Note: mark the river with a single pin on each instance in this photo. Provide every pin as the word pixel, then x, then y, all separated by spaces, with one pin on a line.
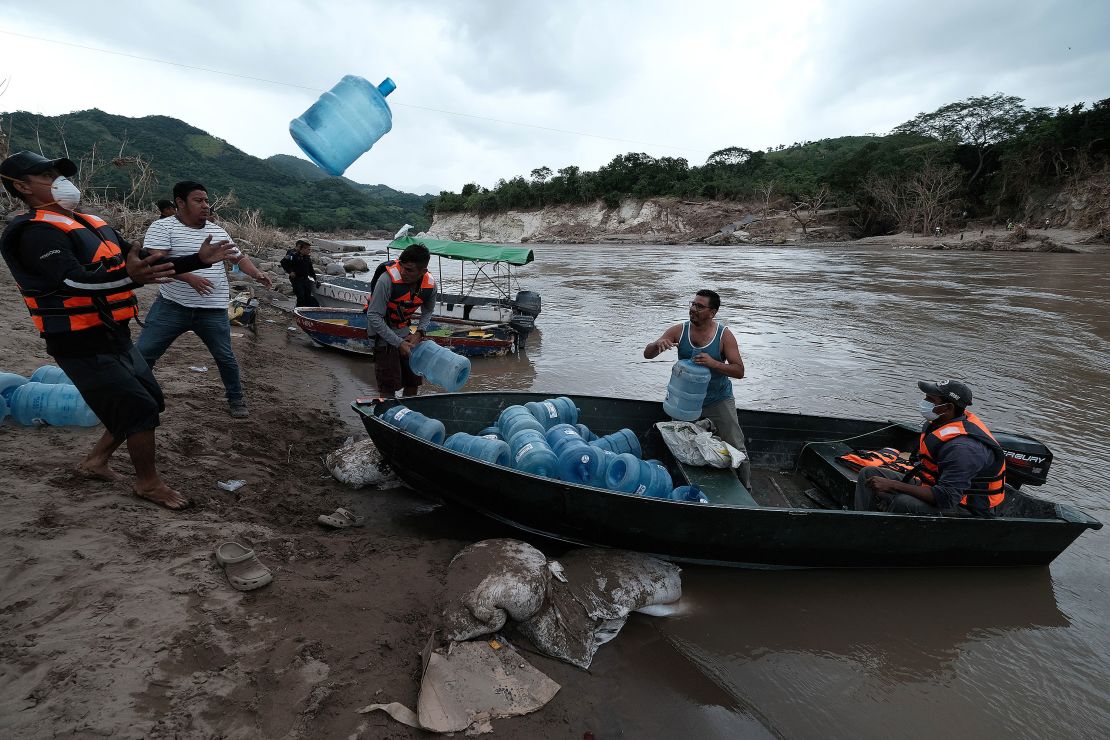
pixel 847 331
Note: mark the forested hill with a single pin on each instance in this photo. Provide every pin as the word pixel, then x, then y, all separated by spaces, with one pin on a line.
pixel 139 160
pixel 986 157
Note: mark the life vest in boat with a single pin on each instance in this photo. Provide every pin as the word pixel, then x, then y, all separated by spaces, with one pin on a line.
pixel 990 482
pixel 887 457
pixel 403 302
pixel 57 308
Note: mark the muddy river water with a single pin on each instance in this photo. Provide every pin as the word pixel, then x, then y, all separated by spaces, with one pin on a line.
pixel 846 331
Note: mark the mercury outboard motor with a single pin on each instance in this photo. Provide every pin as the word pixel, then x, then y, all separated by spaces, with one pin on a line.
pixel 528 303
pixel 1027 460
pixel 523 325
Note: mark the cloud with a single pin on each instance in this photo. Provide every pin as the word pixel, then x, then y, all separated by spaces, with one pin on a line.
pixel 678 79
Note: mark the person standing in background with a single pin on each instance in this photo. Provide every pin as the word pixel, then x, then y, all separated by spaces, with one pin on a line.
pixel 297 264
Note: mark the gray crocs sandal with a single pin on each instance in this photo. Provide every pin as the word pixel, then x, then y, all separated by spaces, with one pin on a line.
pixel 341 519
pixel 244 572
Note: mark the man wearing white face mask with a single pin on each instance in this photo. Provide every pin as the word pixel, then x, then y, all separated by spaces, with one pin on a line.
pixel 76 275
pixel 960 471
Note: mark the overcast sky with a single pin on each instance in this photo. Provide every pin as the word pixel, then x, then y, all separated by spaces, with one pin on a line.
pixel 668 78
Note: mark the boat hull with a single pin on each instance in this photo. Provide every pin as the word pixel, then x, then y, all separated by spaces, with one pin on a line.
pixel 706 533
pixel 344 329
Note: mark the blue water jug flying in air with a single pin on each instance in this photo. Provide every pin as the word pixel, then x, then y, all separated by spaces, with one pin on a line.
pixel 416 423
pixel 440 365
pixel 686 390
pixel 344 123
pixel 54 404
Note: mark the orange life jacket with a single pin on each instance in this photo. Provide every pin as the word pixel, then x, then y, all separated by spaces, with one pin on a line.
pixel 887 457
pixel 990 483
pixel 55 308
pixel 403 302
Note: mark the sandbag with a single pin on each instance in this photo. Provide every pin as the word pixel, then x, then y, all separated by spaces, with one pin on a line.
pixel 359 464
pixel 489 582
pixel 566 608
pixel 695 444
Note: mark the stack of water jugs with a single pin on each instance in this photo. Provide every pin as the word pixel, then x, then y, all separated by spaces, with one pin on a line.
pixel 544 438
pixel 49 397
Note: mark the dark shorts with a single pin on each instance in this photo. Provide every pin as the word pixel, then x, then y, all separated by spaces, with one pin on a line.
pixel 391 371
pixel 119 388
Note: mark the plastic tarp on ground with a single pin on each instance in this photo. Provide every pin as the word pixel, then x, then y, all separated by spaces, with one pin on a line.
pixel 469 251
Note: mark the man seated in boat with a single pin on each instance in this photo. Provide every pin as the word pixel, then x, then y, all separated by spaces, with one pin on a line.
pixel 709 343
pixel 403 286
pixel 960 471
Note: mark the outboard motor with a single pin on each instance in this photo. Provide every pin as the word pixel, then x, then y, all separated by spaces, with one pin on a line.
pixel 523 325
pixel 527 302
pixel 1027 460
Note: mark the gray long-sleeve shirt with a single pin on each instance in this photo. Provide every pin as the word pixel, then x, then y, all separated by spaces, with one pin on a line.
pixel 376 325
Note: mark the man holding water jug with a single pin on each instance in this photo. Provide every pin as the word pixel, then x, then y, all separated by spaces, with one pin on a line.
pixel 401 287
pixel 706 342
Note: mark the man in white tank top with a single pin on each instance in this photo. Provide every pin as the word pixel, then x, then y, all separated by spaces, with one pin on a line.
pixel 714 346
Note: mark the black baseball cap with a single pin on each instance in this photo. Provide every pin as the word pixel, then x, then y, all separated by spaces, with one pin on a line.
pixel 24 163
pixel 952 390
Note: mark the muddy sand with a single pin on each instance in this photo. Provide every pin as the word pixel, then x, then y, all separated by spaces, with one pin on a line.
pixel 116 621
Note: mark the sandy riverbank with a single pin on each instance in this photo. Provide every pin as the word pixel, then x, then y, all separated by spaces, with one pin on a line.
pixel 117 622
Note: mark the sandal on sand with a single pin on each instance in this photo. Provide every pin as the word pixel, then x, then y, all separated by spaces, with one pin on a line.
pixel 341 519
pixel 244 572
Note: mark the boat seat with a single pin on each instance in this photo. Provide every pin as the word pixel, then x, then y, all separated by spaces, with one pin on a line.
pixel 721 485
pixel 817 462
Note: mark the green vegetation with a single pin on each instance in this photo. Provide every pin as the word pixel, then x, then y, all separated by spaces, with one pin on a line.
pixel 137 161
pixel 984 157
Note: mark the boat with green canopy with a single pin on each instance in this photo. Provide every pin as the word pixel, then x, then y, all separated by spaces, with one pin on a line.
pixel 484 288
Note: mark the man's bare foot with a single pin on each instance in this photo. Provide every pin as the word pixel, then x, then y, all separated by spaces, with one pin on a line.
pixel 163 495
pixel 98 472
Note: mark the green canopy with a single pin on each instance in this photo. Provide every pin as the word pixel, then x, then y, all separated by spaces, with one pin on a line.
pixel 470 251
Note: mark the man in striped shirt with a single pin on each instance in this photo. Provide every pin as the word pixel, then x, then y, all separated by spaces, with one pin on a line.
pixel 196 301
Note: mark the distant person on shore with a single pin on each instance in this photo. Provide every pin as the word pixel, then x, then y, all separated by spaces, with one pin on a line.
pixel 404 286
pixel 197 301
pixel 297 264
pixel 708 343
pixel 961 469
pixel 76 275
pixel 166 208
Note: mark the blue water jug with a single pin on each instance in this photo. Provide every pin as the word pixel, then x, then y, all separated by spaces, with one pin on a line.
pixel 553 411
pixel 623 473
pixel 491 432
pixel 690 494
pixel 655 480
pixel 531 454
pixel 585 433
pixel 416 423
pixel 3 408
pixel 53 404
pixel 9 382
pixel 578 462
pixel 344 123
pixel 482 448
pixel 622 440
pixel 440 365
pixel 686 390
pixel 50 374
pixel 515 419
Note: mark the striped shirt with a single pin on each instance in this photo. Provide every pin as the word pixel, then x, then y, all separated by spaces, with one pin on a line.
pixel 179 240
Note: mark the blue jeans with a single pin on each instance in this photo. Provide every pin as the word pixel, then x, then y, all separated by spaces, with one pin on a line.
pixel 167 320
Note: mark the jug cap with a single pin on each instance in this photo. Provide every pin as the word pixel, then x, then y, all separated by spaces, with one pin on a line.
pixel 387 87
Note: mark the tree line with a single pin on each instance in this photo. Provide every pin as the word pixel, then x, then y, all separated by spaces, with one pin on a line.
pixel 986 157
